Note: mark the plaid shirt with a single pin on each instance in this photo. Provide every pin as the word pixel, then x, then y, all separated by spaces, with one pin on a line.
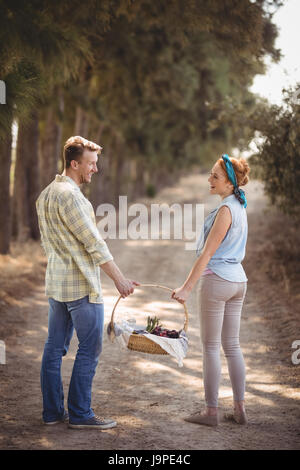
pixel 71 241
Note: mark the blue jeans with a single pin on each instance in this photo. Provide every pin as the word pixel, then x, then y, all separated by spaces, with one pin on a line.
pixel 88 320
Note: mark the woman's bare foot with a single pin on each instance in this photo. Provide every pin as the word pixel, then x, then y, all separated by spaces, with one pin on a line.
pixel 239 407
pixel 209 411
pixel 239 415
pixel 209 417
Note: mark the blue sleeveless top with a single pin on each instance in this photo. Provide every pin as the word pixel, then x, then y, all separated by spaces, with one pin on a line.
pixel 226 262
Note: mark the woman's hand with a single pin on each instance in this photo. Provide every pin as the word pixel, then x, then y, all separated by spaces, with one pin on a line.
pixel 180 294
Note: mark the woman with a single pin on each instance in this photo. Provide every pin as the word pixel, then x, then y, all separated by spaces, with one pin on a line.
pixel 222 288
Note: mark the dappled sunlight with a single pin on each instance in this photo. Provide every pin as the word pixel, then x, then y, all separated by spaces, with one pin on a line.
pixel 254 318
pixel 102 392
pixel 263 399
pixel 29 351
pixel 31 333
pixel 141 390
pixel 42 303
pixel 259 348
pixel 225 392
pixel 148 367
pixel 21 268
pixel 165 88
pixel 153 243
pixel 13 302
pixel 19 261
pixel 157 305
pixel 34 354
pixel 165 371
pixel 45 442
pixel 193 363
pixel 277 389
pixel 163 309
pixel 134 422
pixel 254 376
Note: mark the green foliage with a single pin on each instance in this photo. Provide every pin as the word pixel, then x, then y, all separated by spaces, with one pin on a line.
pixel 150 190
pixel 278 160
pixel 166 81
pixel 40 47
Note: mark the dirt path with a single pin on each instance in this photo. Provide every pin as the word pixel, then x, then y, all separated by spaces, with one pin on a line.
pixel 149 395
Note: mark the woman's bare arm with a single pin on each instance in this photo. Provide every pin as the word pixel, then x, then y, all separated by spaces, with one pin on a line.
pixel 215 237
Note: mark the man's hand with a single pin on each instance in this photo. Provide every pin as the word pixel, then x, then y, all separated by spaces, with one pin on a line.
pixel 125 286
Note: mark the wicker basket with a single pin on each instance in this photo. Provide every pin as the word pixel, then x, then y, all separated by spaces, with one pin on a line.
pixel 140 342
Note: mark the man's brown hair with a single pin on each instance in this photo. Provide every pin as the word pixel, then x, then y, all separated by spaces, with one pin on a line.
pixel 74 148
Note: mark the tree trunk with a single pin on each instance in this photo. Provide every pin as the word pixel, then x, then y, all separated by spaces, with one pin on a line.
pixel 5 200
pixel 139 183
pixel 118 171
pixel 81 123
pixel 50 147
pixel 26 186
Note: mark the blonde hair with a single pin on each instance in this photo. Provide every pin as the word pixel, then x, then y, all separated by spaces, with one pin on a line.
pixel 74 148
pixel 241 169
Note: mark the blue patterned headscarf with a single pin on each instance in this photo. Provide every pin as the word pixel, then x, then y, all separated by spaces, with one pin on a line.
pixel 238 192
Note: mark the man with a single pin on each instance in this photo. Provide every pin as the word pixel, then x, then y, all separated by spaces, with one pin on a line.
pixel 74 250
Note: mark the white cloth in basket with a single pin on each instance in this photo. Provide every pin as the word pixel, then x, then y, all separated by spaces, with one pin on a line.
pixel 176 347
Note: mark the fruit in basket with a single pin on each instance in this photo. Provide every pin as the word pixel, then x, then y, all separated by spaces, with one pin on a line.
pixel 164 332
pixel 155 328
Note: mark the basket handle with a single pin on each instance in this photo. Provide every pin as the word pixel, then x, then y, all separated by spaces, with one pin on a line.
pixel 185 326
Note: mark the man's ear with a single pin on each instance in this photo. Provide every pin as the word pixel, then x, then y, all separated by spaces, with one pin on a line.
pixel 74 164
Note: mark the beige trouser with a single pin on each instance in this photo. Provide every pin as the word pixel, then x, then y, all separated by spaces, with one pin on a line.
pixel 221 304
